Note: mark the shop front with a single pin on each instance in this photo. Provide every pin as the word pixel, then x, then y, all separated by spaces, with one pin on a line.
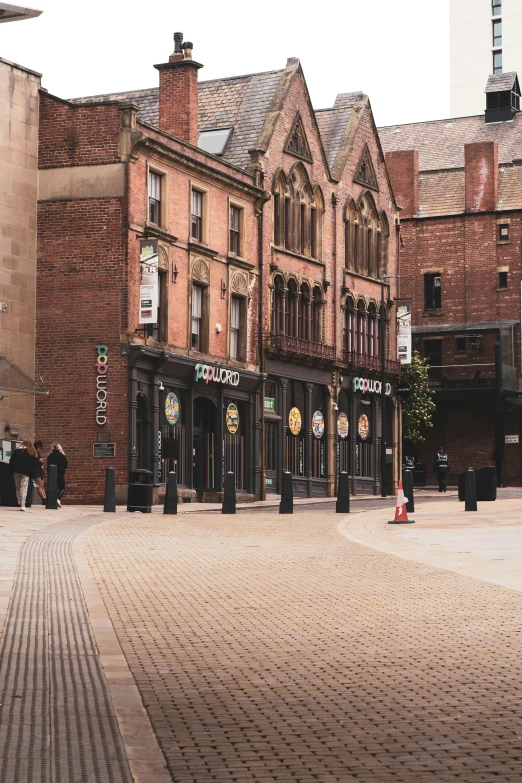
pixel 197 419
pixel 298 430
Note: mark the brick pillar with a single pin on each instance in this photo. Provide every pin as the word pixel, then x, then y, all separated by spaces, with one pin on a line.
pixel 481 163
pixel 178 93
pixel 403 169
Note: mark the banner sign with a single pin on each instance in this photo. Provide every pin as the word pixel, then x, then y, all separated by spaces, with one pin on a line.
pixel 369 385
pixel 102 365
pixel 148 281
pixel 214 372
pixel 404 332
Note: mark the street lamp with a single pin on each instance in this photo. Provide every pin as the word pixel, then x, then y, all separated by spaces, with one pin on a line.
pixel 383 386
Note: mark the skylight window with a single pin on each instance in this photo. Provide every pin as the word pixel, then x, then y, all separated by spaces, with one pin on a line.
pixel 215 140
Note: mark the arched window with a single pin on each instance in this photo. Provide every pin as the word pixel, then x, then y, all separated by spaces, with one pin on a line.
pixel 350 223
pixel 316 225
pixel 368 233
pixel 361 329
pixel 279 192
pixel 298 213
pixel 304 313
pixel 373 331
pixel 292 310
pixel 278 306
pixel 316 319
pixel 382 247
pixel 348 327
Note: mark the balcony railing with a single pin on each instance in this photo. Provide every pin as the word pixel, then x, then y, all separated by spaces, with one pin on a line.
pixel 362 362
pixel 300 348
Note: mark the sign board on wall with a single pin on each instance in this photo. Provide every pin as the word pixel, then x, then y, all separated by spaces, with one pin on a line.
pixel 512 439
pixel 404 332
pixel 270 404
pixel 148 281
pixel 102 367
pixel 104 450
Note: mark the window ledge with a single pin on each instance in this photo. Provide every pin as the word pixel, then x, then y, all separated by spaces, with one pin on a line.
pixel 239 261
pixel 201 248
pixel 430 313
pixel 160 233
pixel 366 277
pixel 502 289
pixel 503 241
pixel 292 253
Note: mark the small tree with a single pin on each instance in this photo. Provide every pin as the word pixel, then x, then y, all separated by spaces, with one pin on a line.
pixel 418 408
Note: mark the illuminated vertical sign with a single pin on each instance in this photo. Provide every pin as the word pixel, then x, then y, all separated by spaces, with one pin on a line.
pixel 148 281
pixel 102 366
pixel 404 332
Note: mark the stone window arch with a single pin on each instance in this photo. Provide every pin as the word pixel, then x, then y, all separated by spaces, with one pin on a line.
pixel 298 212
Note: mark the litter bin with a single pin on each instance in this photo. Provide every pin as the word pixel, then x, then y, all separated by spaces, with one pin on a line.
pixel 140 491
pixel 486 483
pixel 462 486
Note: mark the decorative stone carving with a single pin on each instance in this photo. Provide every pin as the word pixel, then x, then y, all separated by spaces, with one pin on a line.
pixel 297 143
pixel 365 174
pixel 201 271
pixel 163 258
pixel 239 284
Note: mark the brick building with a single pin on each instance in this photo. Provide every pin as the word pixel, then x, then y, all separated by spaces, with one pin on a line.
pixel 459 183
pixel 272 226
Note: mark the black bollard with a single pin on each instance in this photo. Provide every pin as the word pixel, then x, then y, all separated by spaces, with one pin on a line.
pixel 170 505
pixel 52 488
pixel 407 482
pixel 471 491
pixel 286 505
pixel 110 490
pixel 229 494
pixel 342 505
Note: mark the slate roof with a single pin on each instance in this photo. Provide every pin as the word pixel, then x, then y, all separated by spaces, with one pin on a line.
pixel 440 143
pixel 241 102
pixel 332 123
pixel 499 82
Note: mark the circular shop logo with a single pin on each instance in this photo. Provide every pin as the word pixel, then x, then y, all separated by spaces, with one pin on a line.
pixel 294 421
pixel 172 408
pixel 318 424
pixel 363 427
pixel 342 425
pixel 232 418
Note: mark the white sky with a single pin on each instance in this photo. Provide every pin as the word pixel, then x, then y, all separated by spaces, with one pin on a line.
pixel 397 53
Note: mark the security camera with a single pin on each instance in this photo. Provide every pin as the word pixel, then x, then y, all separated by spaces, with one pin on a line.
pixel 335 406
pixel 161 386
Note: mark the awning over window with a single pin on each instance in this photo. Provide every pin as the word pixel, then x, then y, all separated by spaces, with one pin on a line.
pixel 13 379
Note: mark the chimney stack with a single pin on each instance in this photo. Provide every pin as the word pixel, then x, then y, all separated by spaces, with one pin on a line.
pixel 481 175
pixel 178 92
pixel 403 168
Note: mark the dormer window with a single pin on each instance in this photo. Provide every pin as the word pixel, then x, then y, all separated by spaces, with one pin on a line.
pixel 502 96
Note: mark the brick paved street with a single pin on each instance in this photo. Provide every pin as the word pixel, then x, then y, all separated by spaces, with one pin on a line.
pixel 275 649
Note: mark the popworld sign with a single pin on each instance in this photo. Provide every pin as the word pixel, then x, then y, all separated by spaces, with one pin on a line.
pixel 101 384
pixel 216 373
pixel 369 385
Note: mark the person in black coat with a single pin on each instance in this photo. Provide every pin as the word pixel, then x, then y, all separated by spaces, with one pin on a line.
pixel 58 458
pixel 441 468
pixel 24 465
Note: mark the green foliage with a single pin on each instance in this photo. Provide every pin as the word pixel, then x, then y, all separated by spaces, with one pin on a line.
pixel 418 408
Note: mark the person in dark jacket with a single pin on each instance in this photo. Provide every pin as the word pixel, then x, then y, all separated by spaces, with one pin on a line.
pixel 58 458
pixel 441 468
pixel 24 466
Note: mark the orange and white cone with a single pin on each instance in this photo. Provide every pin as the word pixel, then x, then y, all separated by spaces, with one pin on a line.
pixel 401 515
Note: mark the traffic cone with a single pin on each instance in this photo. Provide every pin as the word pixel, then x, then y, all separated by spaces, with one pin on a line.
pixel 401 516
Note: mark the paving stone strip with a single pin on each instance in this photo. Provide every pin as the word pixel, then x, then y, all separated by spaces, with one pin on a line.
pixel 273 650
pixel 57 724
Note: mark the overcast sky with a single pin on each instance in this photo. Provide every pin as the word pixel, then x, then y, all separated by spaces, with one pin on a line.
pixel 396 53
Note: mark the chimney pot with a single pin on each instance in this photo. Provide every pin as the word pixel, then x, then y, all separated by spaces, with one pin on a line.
pixel 187 49
pixel 178 38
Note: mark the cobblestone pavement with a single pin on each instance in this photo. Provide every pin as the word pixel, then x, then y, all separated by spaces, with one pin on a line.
pixel 274 649
pixel 57 724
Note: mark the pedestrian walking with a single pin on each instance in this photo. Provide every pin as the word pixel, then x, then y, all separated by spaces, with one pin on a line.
pixel 38 482
pixel 441 468
pixel 57 457
pixel 24 466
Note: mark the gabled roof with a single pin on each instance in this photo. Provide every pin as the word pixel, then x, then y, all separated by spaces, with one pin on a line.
pixel 332 123
pixel 500 82
pixel 440 143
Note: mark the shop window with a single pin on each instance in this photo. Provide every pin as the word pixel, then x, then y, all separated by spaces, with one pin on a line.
pixel 196 219
pixel 364 424
pixel 236 215
pixel 238 328
pixel 155 194
pixel 199 320
pixel 503 232
pixel 295 441
pixel 432 291
pixel 502 279
pixel 174 445
pixel 234 441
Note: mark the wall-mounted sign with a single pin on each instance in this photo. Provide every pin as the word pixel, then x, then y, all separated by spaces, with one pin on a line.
pixel 148 281
pixel 404 332
pixel 369 385
pixel 103 449
pixel 232 418
pixel 103 437
pixel 101 384
pixel 363 427
pixel 269 404
pixel 403 389
pixel 216 373
pixel 172 408
pixel 511 439
pixel 342 425
pixel 294 421
pixel 318 424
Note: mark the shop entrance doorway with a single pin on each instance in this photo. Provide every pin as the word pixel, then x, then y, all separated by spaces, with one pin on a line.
pixel 206 446
pixel 271 454
pixel 144 428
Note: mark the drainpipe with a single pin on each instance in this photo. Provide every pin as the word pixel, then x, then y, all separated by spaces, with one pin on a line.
pixel 258 207
pixel 335 397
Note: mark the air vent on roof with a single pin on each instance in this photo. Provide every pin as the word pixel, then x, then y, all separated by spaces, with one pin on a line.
pixel 502 97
